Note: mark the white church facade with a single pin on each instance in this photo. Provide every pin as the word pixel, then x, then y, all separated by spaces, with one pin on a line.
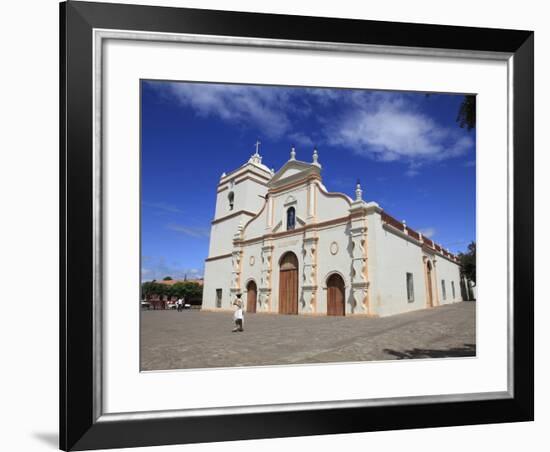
pixel 292 247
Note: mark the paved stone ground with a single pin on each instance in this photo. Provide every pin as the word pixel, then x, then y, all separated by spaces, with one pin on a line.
pixel 196 339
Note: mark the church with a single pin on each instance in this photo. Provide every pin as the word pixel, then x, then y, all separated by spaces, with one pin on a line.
pixel 290 246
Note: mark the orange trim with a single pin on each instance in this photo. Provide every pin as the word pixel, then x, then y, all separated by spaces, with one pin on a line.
pixel 248 170
pixel 298 231
pixel 335 194
pixel 426 242
pixel 215 258
pixel 227 217
pixel 253 179
pixel 294 184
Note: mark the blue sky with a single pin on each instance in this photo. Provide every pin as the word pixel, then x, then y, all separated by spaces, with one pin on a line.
pixel 406 148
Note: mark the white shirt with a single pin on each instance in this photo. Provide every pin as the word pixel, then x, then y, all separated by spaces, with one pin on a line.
pixel 238 314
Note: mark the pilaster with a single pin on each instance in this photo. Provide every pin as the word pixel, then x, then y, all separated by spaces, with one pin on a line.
pixel 358 236
pixel 309 274
pixel 264 296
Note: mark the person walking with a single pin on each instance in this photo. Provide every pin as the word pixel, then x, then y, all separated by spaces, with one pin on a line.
pixel 238 315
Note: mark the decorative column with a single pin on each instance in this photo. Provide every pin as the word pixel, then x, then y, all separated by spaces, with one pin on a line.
pixel 358 232
pixel 236 261
pixel 264 297
pixel 309 275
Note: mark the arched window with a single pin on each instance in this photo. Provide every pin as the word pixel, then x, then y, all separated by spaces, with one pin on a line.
pixel 231 199
pixel 290 218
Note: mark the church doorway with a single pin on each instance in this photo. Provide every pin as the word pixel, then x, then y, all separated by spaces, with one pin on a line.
pixel 288 284
pixel 336 295
pixel 251 296
pixel 429 280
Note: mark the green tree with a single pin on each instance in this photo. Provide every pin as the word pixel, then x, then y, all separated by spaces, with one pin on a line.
pixel 150 288
pixel 190 290
pixel 167 278
pixel 468 262
pixel 466 117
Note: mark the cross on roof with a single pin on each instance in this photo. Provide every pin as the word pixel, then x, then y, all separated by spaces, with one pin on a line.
pixel 257 146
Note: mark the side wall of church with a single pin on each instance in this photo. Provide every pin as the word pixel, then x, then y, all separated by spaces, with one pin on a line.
pixel 398 256
pixel 450 273
pixel 391 257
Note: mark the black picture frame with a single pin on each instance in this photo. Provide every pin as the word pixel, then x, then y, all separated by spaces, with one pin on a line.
pixel 80 427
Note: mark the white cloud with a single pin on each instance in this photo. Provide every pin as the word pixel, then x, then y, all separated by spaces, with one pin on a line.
pixel 162 206
pixel 427 232
pixel 388 127
pixel 265 107
pixel 196 232
pixel 300 138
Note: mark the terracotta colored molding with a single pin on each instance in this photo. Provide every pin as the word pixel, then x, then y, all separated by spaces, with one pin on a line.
pixel 335 194
pixel 295 184
pixel 298 231
pixel 215 258
pixel 251 178
pixel 239 212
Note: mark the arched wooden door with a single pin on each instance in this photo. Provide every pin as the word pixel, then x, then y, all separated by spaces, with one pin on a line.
pixel 251 296
pixel 429 280
pixel 336 292
pixel 288 284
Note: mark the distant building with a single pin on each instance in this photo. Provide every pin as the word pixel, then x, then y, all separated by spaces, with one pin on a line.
pixel 292 247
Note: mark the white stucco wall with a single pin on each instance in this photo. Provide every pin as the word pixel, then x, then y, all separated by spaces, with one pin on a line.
pixel 391 257
pixel 449 272
pixel 217 275
pixel 249 196
pixel 331 205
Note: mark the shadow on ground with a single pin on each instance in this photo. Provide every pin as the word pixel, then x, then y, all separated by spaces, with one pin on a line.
pixel 48 438
pixel 415 353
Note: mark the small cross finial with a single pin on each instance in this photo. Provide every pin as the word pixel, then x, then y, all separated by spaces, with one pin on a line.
pixel 258 142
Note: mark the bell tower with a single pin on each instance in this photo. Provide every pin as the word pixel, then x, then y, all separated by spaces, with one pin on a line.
pixel 240 195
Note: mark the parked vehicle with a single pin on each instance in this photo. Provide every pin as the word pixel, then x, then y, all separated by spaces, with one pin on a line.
pixel 146 305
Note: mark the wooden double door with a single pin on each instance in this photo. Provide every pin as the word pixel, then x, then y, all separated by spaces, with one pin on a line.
pixel 251 297
pixel 336 292
pixel 288 284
